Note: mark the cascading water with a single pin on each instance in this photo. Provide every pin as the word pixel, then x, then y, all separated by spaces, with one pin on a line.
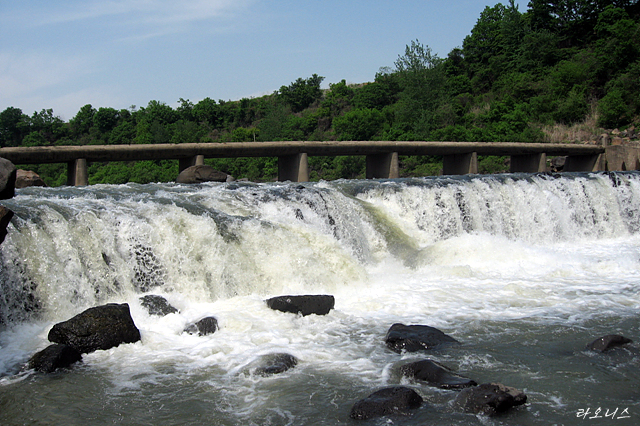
pixel 524 270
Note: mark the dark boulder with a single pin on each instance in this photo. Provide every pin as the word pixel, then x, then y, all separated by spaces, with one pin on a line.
pixel 5 217
pixel 201 173
pixel 607 342
pixel 306 305
pixel 207 325
pixel 489 399
pixel 26 178
pixel 157 305
pixel 435 374
pixel 275 363
pixel 7 179
pixel 396 400
pixel 53 357
pixel 412 338
pixel 100 327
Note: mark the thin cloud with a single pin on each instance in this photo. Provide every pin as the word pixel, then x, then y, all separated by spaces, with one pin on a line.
pixel 145 12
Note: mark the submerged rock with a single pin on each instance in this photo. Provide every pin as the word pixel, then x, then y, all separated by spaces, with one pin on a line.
pixel 435 374
pixel 275 363
pixel 201 173
pixel 305 305
pixel 489 399
pixel 157 305
pixel 607 342
pixel 100 327
pixel 207 325
pixel 412 338
pixel 397 400
pixel 53 357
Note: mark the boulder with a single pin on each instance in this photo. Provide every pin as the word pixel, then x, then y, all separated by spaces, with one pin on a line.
pixel 207 325
pixel 435 374
pixel 5 218
pixel 397 400
pixel 26 178
pixel 306 305
pixel 607 342
pixel 275 363
pixel 100 327
pixel 201 173
pixel 7 179
pixel 489 399
pixel 412 338
pixel 157 305
pixel 53 357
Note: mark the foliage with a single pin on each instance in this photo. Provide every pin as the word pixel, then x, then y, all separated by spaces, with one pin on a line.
pixel 555 64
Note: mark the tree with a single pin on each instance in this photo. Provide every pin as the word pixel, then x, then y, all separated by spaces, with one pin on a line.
pixel 13 126
pixel 302 92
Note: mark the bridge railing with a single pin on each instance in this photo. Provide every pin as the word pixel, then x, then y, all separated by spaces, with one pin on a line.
pixel 381 156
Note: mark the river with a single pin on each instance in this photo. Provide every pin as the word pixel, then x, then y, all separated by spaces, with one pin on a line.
pixel 523 270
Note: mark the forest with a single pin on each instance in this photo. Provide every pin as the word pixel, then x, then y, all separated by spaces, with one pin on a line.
pixel 561 71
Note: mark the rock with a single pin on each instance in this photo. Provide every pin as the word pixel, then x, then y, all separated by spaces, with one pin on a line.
pixel 53 357
pixel 201 173
pixel 412 338
pixel 5 217
pixel 26 178
pixel 100 327
pixel 489 399
pixel 306 305
pixel 607 342
pixel 275 363
pixel 396 400
pixel 205 326
pixel 7 179
pixel 435 374
pixel 157 305
pixel 557 163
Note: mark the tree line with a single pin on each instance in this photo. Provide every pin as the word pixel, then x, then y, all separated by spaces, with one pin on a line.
pixel 516 75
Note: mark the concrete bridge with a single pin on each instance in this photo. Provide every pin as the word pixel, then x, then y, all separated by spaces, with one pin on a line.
pixel 381 156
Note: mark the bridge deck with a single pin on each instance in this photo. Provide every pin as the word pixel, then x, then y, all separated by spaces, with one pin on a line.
pixel 63 154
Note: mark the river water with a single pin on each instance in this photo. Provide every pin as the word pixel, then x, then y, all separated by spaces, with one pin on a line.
pixel 523 270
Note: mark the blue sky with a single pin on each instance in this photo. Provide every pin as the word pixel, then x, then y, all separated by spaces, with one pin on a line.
pixel 118 53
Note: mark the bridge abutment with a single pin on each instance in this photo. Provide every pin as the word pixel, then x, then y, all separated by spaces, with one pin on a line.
pixel 294 168
pixel 460 164
pixel 77 173
pixel 528 163
pixel 383 166
pixel 184 163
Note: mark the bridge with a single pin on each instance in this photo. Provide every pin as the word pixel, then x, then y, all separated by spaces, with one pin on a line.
pixel 381 156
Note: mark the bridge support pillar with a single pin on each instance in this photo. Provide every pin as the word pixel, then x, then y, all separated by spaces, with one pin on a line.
pixel 582 163
pixel 196 160
pixel 460 164
pixel 383 166
pixel 294 168
pixel 77 174
pixel 529 163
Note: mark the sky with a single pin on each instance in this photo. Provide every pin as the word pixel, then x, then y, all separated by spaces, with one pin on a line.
pixel 124 53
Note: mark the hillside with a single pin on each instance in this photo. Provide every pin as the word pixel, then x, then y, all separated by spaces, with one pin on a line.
pixel 559 71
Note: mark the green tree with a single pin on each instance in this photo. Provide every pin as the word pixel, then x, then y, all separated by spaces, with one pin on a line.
pixel 302 92
pixel 13 126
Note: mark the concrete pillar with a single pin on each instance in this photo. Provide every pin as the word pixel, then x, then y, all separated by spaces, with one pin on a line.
pixel 77 174
pixel 196 160
pixel 581 163
pixel 294 168
pixel 622 158
pixel 383 166
pixel 529 163
pixel 460 164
